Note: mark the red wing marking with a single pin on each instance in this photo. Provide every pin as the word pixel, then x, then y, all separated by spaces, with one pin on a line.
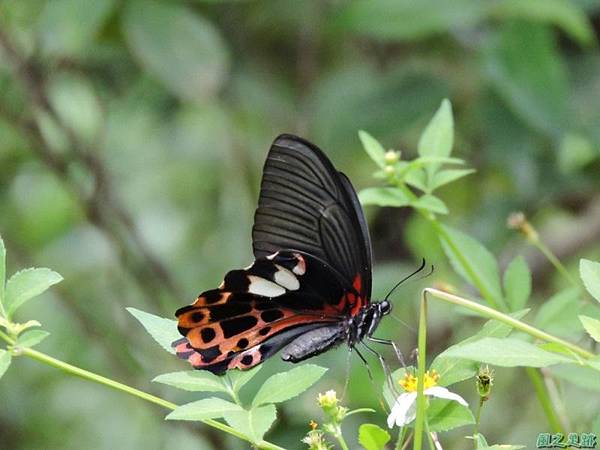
pixel 201 354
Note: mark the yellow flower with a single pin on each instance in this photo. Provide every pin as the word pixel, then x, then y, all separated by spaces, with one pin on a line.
pixel 328 399
pixel 404 409
pixel 409 383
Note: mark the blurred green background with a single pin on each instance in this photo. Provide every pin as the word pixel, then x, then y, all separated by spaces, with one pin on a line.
pixel 132 136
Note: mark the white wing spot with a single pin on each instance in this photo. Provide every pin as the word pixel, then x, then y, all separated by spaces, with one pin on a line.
pixel 285 278
pixel 265 288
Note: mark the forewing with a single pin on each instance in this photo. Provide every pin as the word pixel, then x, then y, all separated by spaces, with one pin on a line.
pixel 306 205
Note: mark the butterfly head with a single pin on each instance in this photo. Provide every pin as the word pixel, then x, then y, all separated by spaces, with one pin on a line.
pixel 385 307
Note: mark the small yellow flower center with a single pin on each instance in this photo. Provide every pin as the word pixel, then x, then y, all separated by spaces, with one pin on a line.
pixel 409 382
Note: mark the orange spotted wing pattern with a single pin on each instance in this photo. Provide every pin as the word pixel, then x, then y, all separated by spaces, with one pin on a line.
pixel 309 282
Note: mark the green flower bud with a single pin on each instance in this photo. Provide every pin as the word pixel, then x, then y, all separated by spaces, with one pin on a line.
pixel 484 382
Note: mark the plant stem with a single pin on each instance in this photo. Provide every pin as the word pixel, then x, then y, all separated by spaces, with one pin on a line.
pixel 469 269
pixel 443 234
pixel 421 363
pixel 497 315
pixel 7 338
pixel 554 261
pixel 340 437
pixel 401 436
pixel 477 419
pixel 90 376
pixel 546 403
pixel 429 436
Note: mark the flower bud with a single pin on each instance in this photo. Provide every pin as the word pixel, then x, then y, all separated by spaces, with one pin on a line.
pixel 391 157
pixel 484 382
pixel 327 400
pixel 518 221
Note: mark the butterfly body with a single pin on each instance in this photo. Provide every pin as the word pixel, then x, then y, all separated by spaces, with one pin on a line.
pixel 309 287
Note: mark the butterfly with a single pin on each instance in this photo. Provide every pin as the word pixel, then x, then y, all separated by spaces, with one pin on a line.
pixel 309 287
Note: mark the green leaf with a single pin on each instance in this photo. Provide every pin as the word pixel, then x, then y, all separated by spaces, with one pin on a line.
pixel 372 437
pixel 239 378
pixel 416 178
pixel 407 20
pixel 444 415
pixel 438 138
pixel 207 408
pixel 193 380
pixel 562 13
pixel 594 363
pixel 5 358
pixel 529 73
pixel 517 283
pixel 575 151
pixel 31 338
pixel 590 274
pixel 26 284
pixel 481 441
pixel 373 148
pixel 178 46
pixel 431 203
pixel 446 176
pixel 2 272
pixel 559 313
pixel 507 352
pixel 592 326
pixel 164 331
pixel 582 376
pixel 283 386
pixel 477 265
pixel 383 196
pixel 253 423
pixel 67 28
pixel 453 370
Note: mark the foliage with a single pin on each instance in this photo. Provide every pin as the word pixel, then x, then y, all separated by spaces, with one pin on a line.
pixel 132 136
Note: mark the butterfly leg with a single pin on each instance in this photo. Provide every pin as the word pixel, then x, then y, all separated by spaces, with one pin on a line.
pixel 348 366
pixel 386 370
pixel 394 346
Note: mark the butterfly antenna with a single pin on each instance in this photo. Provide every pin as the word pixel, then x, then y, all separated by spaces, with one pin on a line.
pixel 427 274
pixel 405 278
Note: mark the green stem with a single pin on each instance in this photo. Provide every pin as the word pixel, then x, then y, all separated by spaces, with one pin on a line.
pixel 554 261
pixel 477 419
pixel 517 324
pixel 469 269
pixel 340 438
pixel 545 402
pixel 7 338
pixel 421 363
pixel 429 436
pixel 401 437
pixel 442 233
pixel 90 376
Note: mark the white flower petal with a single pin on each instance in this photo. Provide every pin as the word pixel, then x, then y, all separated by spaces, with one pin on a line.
pixel 401 409
pixel 442 392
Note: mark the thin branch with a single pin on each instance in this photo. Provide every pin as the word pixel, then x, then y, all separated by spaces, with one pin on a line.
pixel 102 207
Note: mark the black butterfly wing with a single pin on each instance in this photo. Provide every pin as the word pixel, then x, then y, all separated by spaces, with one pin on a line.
pixel 281 299
pixel 305 204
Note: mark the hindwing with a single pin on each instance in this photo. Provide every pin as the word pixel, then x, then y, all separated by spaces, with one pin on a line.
pixel 258 310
